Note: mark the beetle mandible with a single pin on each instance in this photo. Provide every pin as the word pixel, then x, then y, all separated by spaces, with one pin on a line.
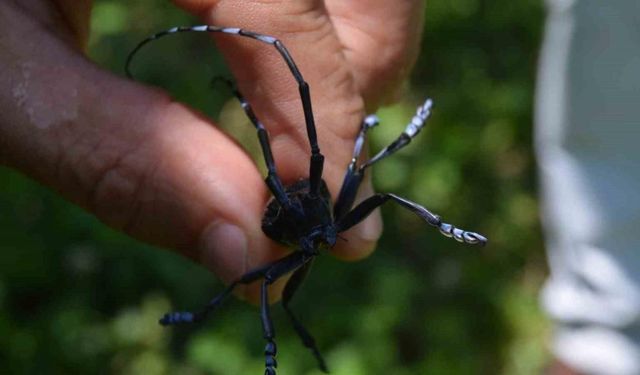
pixel 301 215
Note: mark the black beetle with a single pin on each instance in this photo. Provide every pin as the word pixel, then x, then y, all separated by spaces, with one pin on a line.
pixel 301 215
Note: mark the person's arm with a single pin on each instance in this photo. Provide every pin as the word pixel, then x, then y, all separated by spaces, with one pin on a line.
pixel 154 169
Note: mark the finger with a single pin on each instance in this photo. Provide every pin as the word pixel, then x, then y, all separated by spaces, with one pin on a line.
pixel 76 14
pixel 381 42
pixel 263 77
pixel 140 162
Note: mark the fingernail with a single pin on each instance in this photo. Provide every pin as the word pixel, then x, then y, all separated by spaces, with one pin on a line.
pixel 224 250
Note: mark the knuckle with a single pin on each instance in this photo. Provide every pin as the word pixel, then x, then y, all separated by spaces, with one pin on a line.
pixel 112 183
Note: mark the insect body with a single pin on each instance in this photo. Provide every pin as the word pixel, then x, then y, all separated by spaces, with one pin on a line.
pixel 302 215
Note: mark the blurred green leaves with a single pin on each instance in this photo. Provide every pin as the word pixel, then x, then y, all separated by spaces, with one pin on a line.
pixel 108 18
pixel 76 297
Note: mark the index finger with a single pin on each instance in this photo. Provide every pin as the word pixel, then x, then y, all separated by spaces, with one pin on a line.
pixel 267 83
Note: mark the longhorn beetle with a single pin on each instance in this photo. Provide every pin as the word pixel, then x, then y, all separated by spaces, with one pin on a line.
pixel 301 215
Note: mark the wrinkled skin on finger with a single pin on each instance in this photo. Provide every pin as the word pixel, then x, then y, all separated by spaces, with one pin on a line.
pixel 158 171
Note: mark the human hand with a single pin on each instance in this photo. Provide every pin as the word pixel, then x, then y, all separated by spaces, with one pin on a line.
pixel 153 168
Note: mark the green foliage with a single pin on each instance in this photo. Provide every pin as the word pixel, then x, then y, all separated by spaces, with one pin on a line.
pixel 76 297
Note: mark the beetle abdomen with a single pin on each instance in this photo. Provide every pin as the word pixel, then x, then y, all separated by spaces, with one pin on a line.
pixel 287 229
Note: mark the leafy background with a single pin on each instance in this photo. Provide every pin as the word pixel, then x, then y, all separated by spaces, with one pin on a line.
pixel 77 297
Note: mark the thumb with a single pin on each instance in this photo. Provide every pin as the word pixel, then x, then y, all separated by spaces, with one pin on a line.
pixel 140 162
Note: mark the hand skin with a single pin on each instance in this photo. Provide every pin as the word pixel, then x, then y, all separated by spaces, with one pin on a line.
pixel 160 172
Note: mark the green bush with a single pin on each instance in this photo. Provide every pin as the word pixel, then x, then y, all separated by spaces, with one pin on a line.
pixel 77 297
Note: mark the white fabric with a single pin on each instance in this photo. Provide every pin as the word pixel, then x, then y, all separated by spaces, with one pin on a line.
pixel 588 146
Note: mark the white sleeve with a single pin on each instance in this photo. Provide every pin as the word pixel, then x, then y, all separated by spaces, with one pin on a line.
pixel 588 149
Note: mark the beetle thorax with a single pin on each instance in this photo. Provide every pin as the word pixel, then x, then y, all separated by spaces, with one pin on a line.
pixel 311 228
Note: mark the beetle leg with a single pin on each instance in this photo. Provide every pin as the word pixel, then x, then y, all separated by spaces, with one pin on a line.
pixel 181 317
pixel 289 290
pixel 363 210
pixel 273 180
pixel 353 176
pixel 413 128
pixel 268 332
pixel 292 262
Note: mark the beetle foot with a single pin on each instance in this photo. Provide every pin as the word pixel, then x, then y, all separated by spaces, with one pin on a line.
pixel 463 236
pixel 179 317
pixel 270 362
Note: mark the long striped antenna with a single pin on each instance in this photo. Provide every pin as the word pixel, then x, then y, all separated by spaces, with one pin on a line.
pixel 218 29
pixel 317 159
